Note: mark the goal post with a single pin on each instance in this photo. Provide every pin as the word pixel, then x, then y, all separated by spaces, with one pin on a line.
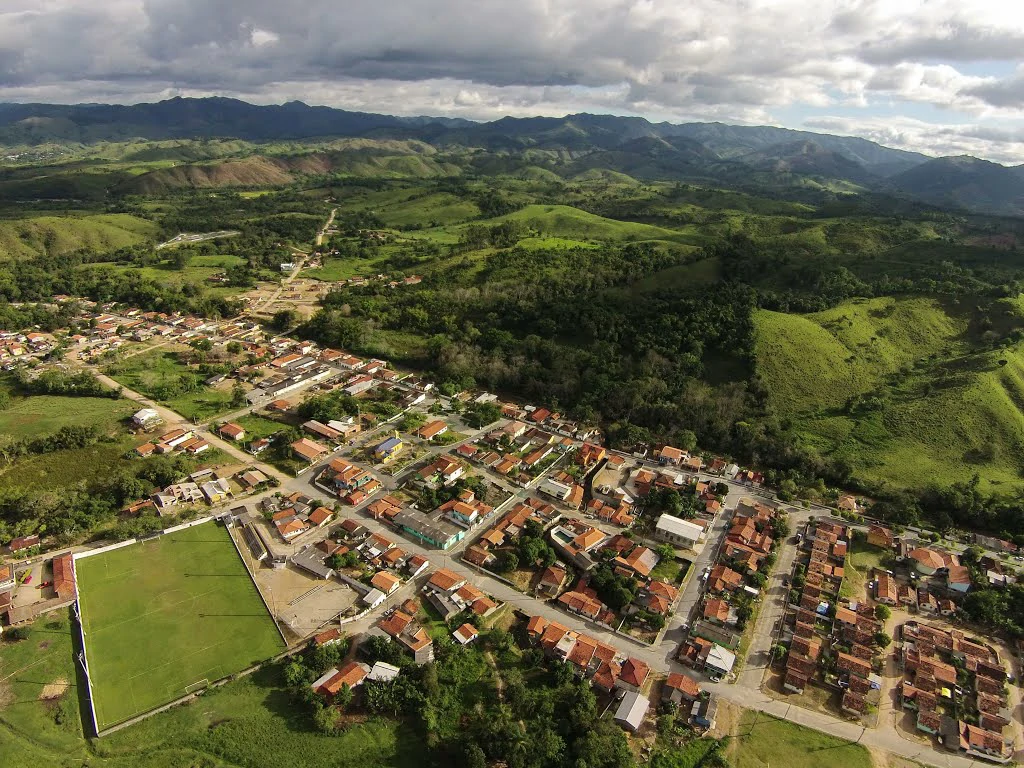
pixel 198 685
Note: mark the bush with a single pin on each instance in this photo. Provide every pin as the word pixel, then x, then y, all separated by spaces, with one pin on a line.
pixel 17 634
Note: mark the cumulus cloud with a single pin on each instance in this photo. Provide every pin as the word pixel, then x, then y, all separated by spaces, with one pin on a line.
pixel 735 60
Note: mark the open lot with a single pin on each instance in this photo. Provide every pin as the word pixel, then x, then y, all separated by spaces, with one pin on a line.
pixel 44 414
pixel 760 740
pixel 160 375
pixel 165 614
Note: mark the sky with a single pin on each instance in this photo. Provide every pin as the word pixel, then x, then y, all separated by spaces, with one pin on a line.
pixel 943 77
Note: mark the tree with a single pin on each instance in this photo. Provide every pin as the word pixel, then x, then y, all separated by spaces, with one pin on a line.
pixel 295 674
pixel 284 320
pixel 344 696
pixel 510 561
pixel 779 651
pixel 238 395
pixel 882 612
pixel 882 640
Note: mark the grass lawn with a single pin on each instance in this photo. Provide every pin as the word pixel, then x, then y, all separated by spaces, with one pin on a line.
pixel 158 373
pixel 863 557
pixel 167 613
pixel 762 740
pixel 44 414
pixel 259 426
pixel 249 723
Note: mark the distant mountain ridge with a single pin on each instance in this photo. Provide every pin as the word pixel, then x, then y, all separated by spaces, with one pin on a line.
pixel 581 143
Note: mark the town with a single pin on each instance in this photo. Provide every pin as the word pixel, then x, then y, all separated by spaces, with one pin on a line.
pixel 370 507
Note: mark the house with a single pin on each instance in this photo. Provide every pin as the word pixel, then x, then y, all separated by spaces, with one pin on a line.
pixel 677 531
pixel 323 431
pixel 334 679
pixel 388 449
pixel 679 688
pixel 958 578
pixel 670 455
pixel 885 589
pixel 258 446
pixel 716 611
pixel 466 634
pixel 929 562
pixel 385 582
pixel 308 450
pixel 7 580
pixel 631 711
pixel 146 418
pixel 879 536
pixel 847 503
pixel 703 711
pixel 551 580
pixel 281 406
pixel 438 533
pixel 232 431
pixel 590 454
pixel 445 580
pixel 432 429
pixel 633 675
pixel 723 579
pixel 415 565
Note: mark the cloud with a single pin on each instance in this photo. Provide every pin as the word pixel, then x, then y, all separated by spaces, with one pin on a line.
pixel 736 60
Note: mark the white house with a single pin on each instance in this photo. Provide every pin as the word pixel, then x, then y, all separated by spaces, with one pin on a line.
pixel 675 530
pixel 632 710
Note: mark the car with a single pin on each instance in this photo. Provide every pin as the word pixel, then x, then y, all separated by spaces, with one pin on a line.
pixel 785 581
pixel 715 678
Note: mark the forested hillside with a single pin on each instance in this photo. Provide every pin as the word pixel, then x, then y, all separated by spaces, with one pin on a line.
pixel 803 323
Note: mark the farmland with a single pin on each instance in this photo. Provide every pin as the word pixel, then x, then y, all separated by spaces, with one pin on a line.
pixel 192 614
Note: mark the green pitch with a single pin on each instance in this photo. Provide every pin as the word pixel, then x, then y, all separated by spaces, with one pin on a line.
pixel 164 614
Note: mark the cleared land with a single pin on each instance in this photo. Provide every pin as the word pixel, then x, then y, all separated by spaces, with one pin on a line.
pixel 164 614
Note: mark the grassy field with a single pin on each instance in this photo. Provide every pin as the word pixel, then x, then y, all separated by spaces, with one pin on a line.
pixel 162 615
pixel 761 740
pixel 259 426
pixel 250 723
pixel 63 469
pixel 44 414
pixel 197 272
pixel 893 387
pixel 158 373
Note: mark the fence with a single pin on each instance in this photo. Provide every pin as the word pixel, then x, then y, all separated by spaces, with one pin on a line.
pixel 259 591
pixel 100 550
pixel 189 524
pixel 77 613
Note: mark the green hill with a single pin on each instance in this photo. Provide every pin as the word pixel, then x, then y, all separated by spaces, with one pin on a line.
pixel 574 224
pixel 895 387
pixel 25 238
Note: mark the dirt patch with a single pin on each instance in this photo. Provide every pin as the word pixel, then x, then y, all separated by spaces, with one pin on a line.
pixel 44 645
pixel 6 696
pixel 54 690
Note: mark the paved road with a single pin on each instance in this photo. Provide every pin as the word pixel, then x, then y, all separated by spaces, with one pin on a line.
pixel 746 692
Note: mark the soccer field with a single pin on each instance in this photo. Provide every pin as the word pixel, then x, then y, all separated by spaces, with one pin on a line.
pixel 164 614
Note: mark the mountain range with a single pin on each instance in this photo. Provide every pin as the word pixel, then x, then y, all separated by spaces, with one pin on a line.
pixel 634 146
